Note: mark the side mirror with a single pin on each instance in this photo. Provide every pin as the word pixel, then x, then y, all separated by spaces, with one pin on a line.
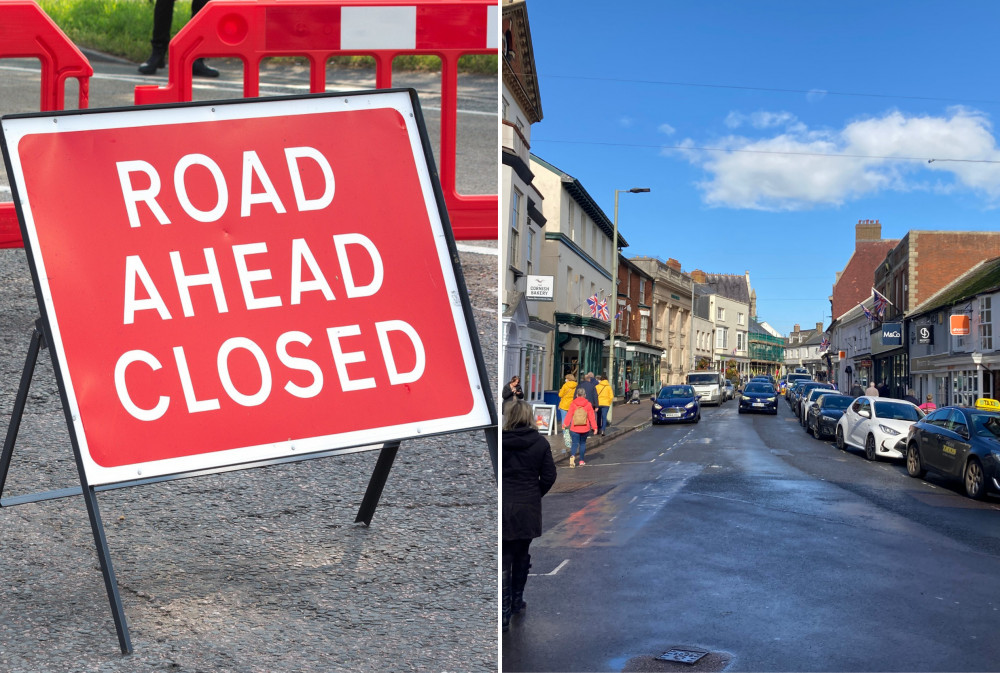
pixel 698 397
pixel 864 413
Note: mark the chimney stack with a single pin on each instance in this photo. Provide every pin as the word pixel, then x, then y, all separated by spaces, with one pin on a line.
pixel 674 264
pixel 867 230
pixel 699 276
pixel 796 328
pixel 819 327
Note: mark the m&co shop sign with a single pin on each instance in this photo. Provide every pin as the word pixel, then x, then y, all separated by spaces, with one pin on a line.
pixel 240 281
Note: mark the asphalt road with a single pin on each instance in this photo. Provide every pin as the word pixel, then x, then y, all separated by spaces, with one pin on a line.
pixel 744 537
pixel 256 570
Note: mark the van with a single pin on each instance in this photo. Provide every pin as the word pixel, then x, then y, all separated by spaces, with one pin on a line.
pixel 709 385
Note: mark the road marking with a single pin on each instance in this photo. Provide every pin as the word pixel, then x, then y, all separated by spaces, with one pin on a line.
pixel 558 568
pixel 477 249
pixel 633 462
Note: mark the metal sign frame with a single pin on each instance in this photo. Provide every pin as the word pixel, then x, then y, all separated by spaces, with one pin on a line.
pixel 43 336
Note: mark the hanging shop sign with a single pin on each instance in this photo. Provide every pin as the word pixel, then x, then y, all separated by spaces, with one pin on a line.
pixel 925 334
pixel 892 334
pixel 959 325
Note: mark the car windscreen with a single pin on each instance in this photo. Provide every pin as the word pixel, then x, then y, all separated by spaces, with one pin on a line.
pixel 816 392
pixel 986 425
pixel 836 402
pixel 675 392
pixel 897 411
pixel 702 379
pixel 759 388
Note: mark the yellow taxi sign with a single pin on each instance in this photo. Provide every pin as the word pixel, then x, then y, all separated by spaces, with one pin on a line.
pixel 987 403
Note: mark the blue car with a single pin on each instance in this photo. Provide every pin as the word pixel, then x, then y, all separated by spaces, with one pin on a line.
pixel 958 442
pixel 676 403
pixel 759 396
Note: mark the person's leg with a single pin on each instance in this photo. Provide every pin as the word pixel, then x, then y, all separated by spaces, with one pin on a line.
pixel 583 447
pixel 505 600
pixel 200 68
pixel 574 447
pixel 163 15
pixel 519 567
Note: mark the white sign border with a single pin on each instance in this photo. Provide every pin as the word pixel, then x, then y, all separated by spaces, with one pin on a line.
pixel 18 127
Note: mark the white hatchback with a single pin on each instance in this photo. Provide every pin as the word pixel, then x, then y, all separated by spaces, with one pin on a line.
pixel 878 426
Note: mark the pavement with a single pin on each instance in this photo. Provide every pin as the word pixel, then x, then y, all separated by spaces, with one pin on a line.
pixel 625 418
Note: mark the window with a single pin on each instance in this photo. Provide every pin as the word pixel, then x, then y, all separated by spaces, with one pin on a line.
pixel 722 338
pixel 740 318
pixel 643 324
pixel 986 323
pixel 642 290
pixel 571 220
pixel 740 341
pixel 528 265
pixel 720 313
pixel 505 106
pixel 513 257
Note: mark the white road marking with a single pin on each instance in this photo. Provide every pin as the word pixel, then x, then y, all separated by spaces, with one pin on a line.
pixel 477 249
pixel 558 568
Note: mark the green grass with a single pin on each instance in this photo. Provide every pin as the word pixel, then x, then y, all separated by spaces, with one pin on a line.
pixel 123 28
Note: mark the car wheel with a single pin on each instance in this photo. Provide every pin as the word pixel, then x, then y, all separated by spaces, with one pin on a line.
pixel 975 481
pixel 840 439
pixel 697 418
pixel 914 467
pixel 809 429
pixel 870 447
pixel 741 410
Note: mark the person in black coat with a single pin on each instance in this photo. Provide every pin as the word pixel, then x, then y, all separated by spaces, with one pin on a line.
pixel 512 391
pixel 528 474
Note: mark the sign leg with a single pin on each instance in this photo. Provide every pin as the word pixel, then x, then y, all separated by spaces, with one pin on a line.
pixel 374 492
pixel 491 442
pixel 110 583
pixel 19 403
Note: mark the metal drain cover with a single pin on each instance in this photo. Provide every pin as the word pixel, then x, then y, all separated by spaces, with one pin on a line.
pixel 682 655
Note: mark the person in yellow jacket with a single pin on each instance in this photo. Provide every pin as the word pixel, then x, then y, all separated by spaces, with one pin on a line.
pixel 566 395
pixel 605 396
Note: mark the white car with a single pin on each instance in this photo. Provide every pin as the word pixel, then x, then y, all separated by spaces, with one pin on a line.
pixel 878 426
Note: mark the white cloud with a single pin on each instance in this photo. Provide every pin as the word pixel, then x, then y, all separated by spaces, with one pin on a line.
pixel 625 122
pixel 667 129
pixel 759 120
pixel 801 169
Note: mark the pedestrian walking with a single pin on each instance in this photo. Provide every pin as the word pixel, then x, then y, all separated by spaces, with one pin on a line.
pixel 580 422
pixel 883 389
pixel 566 395
pixel 589 384
pixel 528 474
pixel 163 16
pixel 871 390
pixel 512 391
pixel 929 405
pixel 605 397
pixel 857 390
pixel 911 396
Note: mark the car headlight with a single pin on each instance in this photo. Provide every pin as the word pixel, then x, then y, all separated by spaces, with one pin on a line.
pixel 827 418
pixel 689 405
pixel 887 430
pixel 657 406
pixel 770 399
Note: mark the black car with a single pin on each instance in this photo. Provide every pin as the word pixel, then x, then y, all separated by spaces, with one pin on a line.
pixel 795 389
pixel 959 442
pixel 803 392
pixel 759 396
pixel 822 417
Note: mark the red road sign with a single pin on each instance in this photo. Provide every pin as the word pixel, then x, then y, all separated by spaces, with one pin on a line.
pixel 239 281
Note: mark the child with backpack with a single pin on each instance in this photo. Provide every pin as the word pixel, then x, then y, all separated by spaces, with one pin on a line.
pixel 580 421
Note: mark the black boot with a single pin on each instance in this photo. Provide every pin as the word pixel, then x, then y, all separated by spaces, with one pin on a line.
pixel 201 69
pixel 155 61
pixel 505 600
pixel 518 578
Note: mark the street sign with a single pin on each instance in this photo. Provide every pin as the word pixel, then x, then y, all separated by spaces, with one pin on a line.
pixel 241 281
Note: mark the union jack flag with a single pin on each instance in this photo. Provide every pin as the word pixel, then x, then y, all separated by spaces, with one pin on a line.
pixel 593 303
pixel 602 310
pixel 868 314
pixel 879 302
pixel 824 344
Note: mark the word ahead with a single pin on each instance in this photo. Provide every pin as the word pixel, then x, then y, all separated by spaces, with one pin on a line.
pixel 233 282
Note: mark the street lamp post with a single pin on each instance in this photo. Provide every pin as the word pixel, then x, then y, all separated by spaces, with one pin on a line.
pixel 614 284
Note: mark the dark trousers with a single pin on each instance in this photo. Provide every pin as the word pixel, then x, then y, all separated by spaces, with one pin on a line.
pixel 515 552
pixel 163 16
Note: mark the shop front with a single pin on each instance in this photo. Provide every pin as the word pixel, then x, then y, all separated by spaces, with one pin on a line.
pixel 891 359
pixel 642 368
pixel 580 346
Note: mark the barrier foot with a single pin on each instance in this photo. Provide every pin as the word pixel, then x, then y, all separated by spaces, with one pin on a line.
pixel 19 403
pixel 491 442
pixel 110 583
pixel 374 492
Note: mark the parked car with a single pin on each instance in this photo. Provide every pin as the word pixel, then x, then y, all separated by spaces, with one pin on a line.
pixel 810 397
pixel 730 390
pixel 803 392
pixel 822 417
pixel 957 442
pixel 676 403
pixel 878 426
pixel 792 379
pixel 707 384
pixel 758 396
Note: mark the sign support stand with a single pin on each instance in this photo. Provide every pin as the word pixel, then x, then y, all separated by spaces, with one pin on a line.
pixel 375 485
pixel 38 342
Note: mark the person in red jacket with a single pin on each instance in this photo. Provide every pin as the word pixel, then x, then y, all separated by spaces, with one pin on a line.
pixel 580 421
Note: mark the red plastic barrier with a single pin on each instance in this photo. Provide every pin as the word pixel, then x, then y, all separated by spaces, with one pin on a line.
pixel 27 32
pixel 252 30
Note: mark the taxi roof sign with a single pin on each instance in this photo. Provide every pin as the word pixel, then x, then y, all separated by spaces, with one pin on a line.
pixel 988 404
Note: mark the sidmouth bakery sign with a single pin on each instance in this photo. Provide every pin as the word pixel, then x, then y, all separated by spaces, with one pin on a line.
pixel 242 281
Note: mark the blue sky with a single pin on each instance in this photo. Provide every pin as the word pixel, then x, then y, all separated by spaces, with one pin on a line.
pixel 826 113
